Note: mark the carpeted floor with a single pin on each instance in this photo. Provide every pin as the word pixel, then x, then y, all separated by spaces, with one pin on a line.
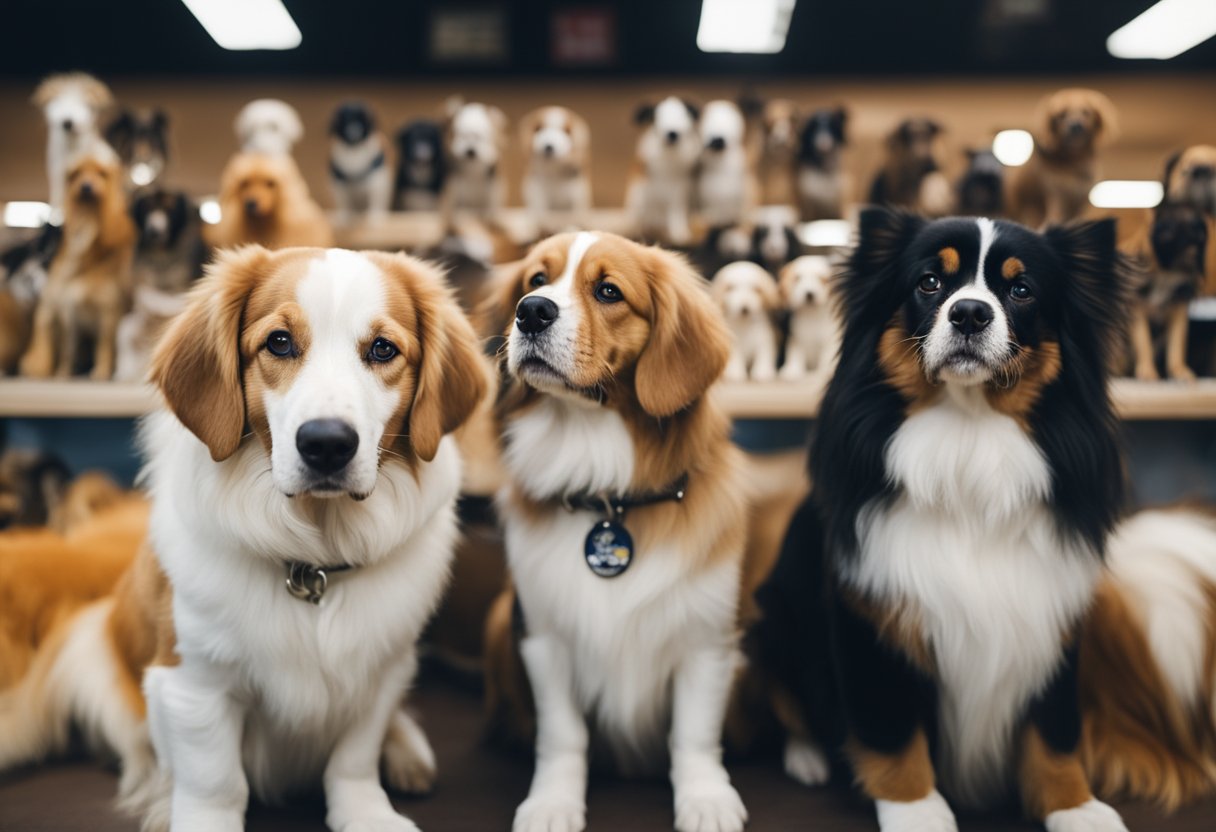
pixel 480 786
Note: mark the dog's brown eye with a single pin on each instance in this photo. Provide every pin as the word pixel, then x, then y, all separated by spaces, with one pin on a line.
pixel 606 292
pixel 930 284
pixel 382 350
pixel 1020 292
pixel 537 280
pixel 279 343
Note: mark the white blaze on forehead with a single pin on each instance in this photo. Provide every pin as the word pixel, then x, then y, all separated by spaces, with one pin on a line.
pixel 341 294
pixel 473 118
pixel 987 236
pixel 672 114
pixel 582 241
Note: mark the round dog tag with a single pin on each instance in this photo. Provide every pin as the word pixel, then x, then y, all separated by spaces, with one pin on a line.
pixel 608 549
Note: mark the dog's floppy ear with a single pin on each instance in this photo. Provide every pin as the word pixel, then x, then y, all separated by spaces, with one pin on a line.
pixel 689 342
pixel 452 105
pixel 160 120
pixel 197 364
pixel 499 296
pixel 644 114
pixel 1170 164
pixel 1098 282
pixel 1108 118
pixel 840 114
pixel 866 284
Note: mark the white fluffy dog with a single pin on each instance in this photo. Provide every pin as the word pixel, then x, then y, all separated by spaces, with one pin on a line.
pixel 726 186
pixel 812 339
pixel 748 296
pixel 659 196
pixel 475 136
pixel 73 104
pixel 268 126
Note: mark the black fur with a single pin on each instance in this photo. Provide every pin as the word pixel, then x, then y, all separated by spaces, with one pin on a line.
pixel 140 136
pixel 822 124
pixel 352 122
pixel 981 191
pixel 419 148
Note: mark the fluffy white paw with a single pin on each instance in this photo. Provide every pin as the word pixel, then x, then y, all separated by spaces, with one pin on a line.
pixel 805 763
pixel 407 758
pixel 929 814
pixel 714 808
pixel 1090 816
pixel 550 814
pixel 792 371
pixel 380 823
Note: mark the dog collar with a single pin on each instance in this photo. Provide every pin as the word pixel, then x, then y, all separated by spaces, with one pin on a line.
pixel 308 582
pixel 617 506
pixel 343 176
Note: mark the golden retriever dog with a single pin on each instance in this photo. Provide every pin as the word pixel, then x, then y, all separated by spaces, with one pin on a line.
pixel 1071 126
pixel 265 200
pixel 88 288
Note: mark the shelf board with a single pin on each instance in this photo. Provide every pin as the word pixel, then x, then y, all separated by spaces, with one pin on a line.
pixel 1165 401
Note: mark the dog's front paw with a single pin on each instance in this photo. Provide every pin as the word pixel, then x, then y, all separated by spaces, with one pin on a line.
pixel 407 759
pixel 1091 816
pixel 1181 372
pixel 380 822
pixel 546 813
pixel 792 371
pixel 806 763
pixel 1147 372
pixel 929 814
pixel 714 808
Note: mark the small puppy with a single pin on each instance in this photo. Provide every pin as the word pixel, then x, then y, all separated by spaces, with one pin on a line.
pixel 812 339
pixel 88 288
pixel 748 297
pixel 25 266
pixel 475 137
pixel 726 187
pixel 1054 185
pixel 31 486
pixel 268 126
pixel 911 177
pixel 1174 273
pixel 822 185
pixel 74 105
pixel 141 140
pixel 779 141
pixel 659 195
pixel 981 190
pixel 774 239
pixel 264 199
pixel 1190 177
pixel 358 167
pixel 557 182
pixel 169 257
pixel 420 166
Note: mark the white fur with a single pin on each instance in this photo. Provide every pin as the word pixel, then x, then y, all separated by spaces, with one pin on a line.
pixel 556 188
pixel 474 183
pixel 361 192
pixel 972 544
pixel 740 289
pixel 658 202
pixel 724 185
pixel 805 762
pixel 583 448
pixel 268 126
pixel 64 144
pixel 811 345
pixel 1091 816
pixel 929 814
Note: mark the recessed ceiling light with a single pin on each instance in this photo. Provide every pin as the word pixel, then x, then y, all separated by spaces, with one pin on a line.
pixel 209 211
pixel 1013 147
pixel 755 26
pixel 247 24
pixel 1127 193
pixel 825 233
pixel 26 214
pixel 1165 30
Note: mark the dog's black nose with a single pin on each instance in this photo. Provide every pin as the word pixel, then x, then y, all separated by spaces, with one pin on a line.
pixel 68 124
pixel 1076 128
pixel 970 316
pixel 549 150
pixel 717 143
pixel 86 191
pixel 326 445
pixel 672 137
pixel 251 207
pixel 470 154
pixel 1203 172
pixel 534 314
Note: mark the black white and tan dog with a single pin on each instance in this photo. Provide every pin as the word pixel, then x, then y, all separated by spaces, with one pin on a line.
pixel 911 176
pixel 140 137
pixel 969 483
pixel 556 142
pixel 420 166
pixel 25 270
pixel 981 189
pixel 658 198
pixel 821 183
pixel 359 174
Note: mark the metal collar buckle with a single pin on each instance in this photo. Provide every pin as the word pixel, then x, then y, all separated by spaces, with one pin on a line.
pixel 308 582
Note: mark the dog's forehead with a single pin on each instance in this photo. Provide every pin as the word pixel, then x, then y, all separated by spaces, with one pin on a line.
pixel 339 292
pixel 472 117
pixel 672 109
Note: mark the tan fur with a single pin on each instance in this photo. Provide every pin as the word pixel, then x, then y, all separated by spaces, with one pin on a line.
pixel 1026 375
pixel 950 260
pixel 1012 268
pixel 1049 781
pixel 1053 186
pixel 904 776
pixel 15 327
pixel 285 213
pixel 96 94
pixel 89 282
pixel 509 710
pixel 900 363
pixel 89 494
pixel 776 160
pixel 574 125
pixel 1179 189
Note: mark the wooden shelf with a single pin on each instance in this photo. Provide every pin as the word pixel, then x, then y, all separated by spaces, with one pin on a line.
pixel 1165 401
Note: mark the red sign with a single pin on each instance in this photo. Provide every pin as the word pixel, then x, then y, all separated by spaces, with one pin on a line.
pixel 584 36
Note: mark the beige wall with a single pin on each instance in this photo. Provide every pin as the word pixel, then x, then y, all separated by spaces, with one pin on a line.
pixel 1158 113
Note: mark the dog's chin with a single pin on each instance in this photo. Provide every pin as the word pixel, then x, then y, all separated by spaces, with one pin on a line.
pixel 326 489
pixel 963 367
pixel 543 377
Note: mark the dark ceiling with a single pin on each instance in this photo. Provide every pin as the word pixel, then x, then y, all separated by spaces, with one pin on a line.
pixel 370 38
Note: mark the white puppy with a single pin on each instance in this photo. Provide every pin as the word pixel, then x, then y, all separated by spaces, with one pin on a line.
pixel 747 295
pixel 557 185
pixel 73 104
pixel 660 191
pixel 268 126
pixel 812 339
pixel 726 186
pixel 475 135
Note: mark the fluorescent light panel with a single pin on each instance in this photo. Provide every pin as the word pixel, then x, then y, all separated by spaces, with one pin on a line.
pixel 825 233
pixel 1127 193
pixel 247 24
pixel 1012 147
pixel 26 214
pixel 755 26
pixel 1165 30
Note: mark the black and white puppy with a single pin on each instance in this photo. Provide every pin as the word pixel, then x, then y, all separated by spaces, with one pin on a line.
pixel 169 257
pixel 659 195
pixel 25 267
pixel 420 166
pixel 359 174
pixel 968 475
pixel 981 190
pixel 822 184
pixel 774 238
pixel 726 183
pixel 141 140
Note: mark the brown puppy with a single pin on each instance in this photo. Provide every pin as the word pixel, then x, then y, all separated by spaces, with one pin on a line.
pixel 1053 187
pixel 265 200
pixel 89 286
pixel 911 176
pixel 778 136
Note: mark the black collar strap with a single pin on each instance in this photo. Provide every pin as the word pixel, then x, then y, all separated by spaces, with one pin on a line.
pixel 617 506
pixel 308 582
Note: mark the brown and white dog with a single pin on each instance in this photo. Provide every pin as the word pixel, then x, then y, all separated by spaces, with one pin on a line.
pixel 264 200
pixel 89 284
pixel 475 141
pixel 749 298
pixel 812 341
pixel 309 396
pixel 557 183
pixel 74 105
pixel 659 195
pixel 1053 186
pixel 911 177
pixel 610 355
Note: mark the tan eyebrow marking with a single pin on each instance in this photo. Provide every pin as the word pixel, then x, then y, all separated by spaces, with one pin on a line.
pixel 1012 268
pixel 950 260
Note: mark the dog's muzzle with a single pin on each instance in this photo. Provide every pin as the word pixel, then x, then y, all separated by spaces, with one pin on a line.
pixel 535 314
pixel 326 445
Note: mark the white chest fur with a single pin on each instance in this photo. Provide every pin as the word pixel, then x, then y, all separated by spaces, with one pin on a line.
pixel 971 544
